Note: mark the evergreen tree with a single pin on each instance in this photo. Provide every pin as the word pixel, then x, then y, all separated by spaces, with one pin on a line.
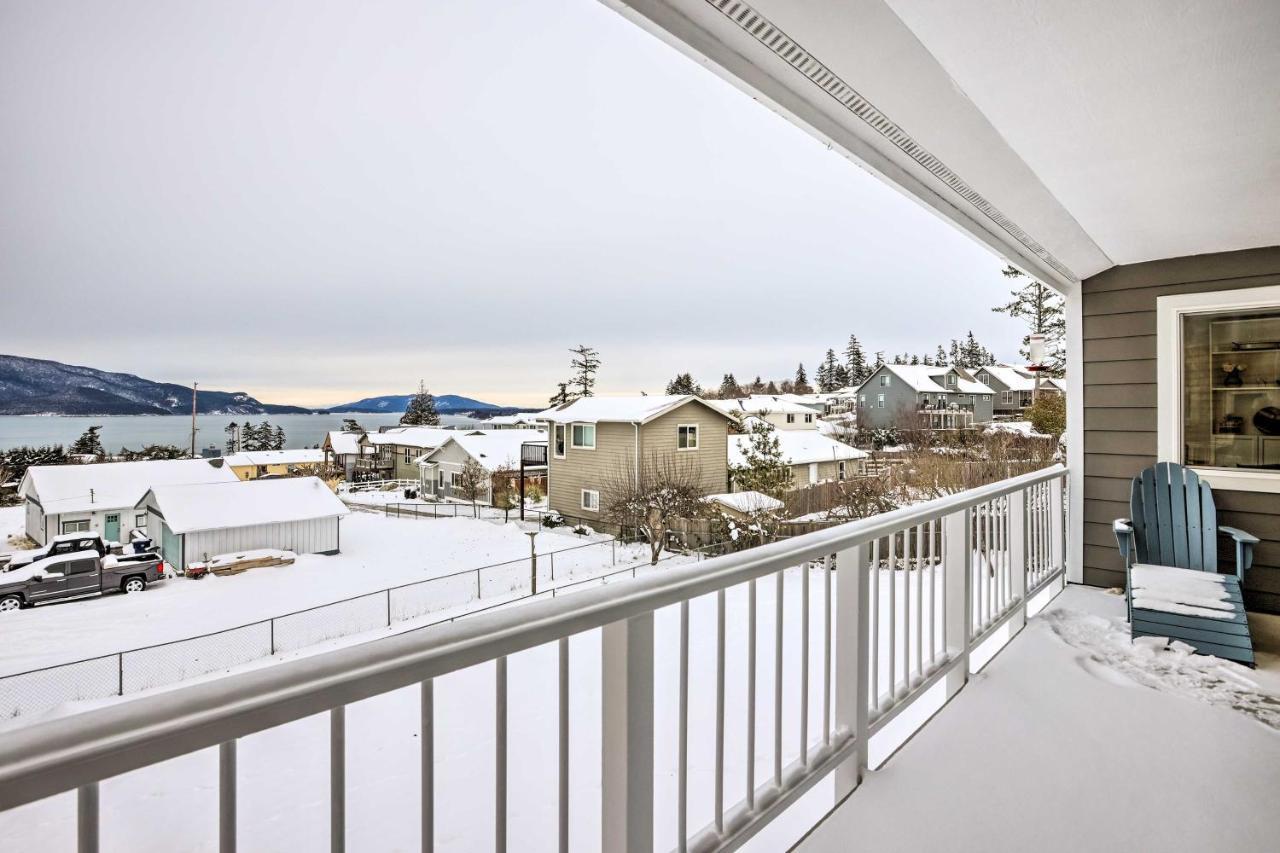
pixel 89 444
pixel 827 373
pixel 763 469
pixel 771 388
pixel 562 395
pixel 233 438
pixel 421 410
pixel 586 362
pixel 801 385
pixel 1043 311
pixel 953 355
pixel 897 359
pixel 855 361
pixel 757 387
pixel 349 425
pixel 915 359
pixel 841 379
pixel 940 358
pixel 729 387
pixel 277 438
pixel 683 384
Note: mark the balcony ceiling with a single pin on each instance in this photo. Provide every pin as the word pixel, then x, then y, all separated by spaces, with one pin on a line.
pixel 1068 136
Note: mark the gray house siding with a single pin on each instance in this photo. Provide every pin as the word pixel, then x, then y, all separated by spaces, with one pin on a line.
pixel 900 400
pixel 1120 439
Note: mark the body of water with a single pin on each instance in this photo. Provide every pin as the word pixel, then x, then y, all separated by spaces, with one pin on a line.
pixel 137 431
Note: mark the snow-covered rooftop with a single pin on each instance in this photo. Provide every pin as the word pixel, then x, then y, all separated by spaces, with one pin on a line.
pixel 113 485
pixel 760 404
pixel 747 502
pixel 932 379
pixel 798 447
pixel 423 437
pixel 344 443
pixel 301 456
pixel 494 449
pixel 1015 379
pixel 638 409
pixel 529 418
pixel 216 506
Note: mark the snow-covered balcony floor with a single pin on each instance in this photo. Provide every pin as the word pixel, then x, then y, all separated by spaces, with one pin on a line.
pixel 1070 739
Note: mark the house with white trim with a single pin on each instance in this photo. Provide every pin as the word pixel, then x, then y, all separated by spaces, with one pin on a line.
pixel 497 451
pixel 101 497
pixel 922 396
pixel 778 410
pixel 814 458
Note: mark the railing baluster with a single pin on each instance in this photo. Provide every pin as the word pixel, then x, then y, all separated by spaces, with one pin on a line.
pixel 957 612
pixel 627 736
pixel 87 818
pixel 720 650
pixel 500 756
pixel 563 779
pixel 919 608
pixel 906 609
pixel 682 764
pixel 875 626
pixel 893 617
pixel 777 678
pixel 804 665
pixel 751 695
pixel 852 678
pixel 338 779
pixel 826 651
pixel 933 594
pixel 227 797
pixel 427 760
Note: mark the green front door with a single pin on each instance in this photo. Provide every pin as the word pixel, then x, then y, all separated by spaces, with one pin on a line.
pixel 170 546
pixel 111 532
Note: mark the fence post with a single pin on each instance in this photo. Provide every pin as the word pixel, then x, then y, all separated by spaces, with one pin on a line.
pixel 1018 558
pixel 120 673
pixel 553 566
pixel 388 592
pixel 627 735
pixel 614 547
pixel 272 623
pixel 852 615
pixel 957 562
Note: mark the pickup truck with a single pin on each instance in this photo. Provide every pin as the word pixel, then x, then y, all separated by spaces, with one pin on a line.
pixel 67 543
pixel 75 575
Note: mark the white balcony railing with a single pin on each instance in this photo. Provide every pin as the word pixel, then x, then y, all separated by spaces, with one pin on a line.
pixel 930 583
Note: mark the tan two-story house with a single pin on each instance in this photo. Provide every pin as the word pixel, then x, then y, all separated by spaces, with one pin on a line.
pixel 595 441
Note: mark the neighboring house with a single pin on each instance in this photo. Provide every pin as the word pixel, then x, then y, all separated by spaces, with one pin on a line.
pixel 1014 387
pixel 814 458
pixel 101 497
pixel 251 464
pixel 352 452
pixel 777 410
pixel 842 401
pixel 597 439
pixel 898 395
pixel 524 420
pixel 403 447
pixel 495 450
pixel 192 523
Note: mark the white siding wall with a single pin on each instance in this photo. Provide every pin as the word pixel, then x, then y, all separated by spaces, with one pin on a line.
pixel 35 522
pixel 314 536
pixel 97 521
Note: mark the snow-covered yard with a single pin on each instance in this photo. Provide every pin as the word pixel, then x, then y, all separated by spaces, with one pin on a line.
pixel 377 552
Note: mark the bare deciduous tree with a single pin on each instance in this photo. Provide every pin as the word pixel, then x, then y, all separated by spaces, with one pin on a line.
pixel 474 483
pixel 666 488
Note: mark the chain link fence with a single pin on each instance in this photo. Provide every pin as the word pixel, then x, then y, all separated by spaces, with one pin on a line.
pixel 457 594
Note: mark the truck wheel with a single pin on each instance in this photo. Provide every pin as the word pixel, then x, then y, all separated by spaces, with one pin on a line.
pixel 10 602
pixel 134 584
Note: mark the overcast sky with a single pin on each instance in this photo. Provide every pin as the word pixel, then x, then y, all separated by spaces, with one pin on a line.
pixel 318 201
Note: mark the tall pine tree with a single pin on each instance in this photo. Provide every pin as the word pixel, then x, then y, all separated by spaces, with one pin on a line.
pixel 856 361
pixel 729 387
pixel 683 384
pixel 421 410
pixel 801 384
pixel 1043 311
pixel 585 362
pixel 89 444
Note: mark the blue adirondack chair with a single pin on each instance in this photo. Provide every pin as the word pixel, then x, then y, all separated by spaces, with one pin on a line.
pixel 1171 543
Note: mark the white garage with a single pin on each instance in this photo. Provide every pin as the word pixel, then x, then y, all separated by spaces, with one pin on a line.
pixel 196 522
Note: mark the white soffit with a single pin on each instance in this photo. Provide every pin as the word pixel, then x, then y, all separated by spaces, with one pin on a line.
pixel 854 75
pixel 1155 123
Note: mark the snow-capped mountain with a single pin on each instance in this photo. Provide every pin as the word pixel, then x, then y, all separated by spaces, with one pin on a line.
pixel 32 386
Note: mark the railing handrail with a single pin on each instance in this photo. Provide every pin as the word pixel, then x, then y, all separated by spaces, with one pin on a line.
pixel 61 754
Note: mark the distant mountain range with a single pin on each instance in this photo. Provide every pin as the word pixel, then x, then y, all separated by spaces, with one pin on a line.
pixel 391 403
pixel 33 386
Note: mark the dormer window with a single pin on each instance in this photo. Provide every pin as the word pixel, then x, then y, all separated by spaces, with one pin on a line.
pixel 951 379
pixel 884 380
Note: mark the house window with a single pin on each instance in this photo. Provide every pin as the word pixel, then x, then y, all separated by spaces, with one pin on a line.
pixel 590 500
pixel 1218 363
pixel 1006 396
pixel 80 525
pixel 140 520
pixel 583 436
pixel 986 398
pixel 791 419
pixel 687 437
pixel 559 440
pixel 862 401
pixel 879 401
pixel 408 456
pixel 984 378
pixel 884 380
pixel 455 479
pixel 808 419
pixel 951 379
pixel 840 470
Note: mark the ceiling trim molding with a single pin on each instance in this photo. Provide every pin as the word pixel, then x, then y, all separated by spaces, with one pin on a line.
pixel 777 41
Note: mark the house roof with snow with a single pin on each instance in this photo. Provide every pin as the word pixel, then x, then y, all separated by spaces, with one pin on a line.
pixel 798 447
pixel 1012 377
pixel 301 456
pixel 241 503
pixel 760 404
pixel 746 502
pixel 423 437
pixel 343 443
pixel 630 410
pixel 494 449
pixel 521 419
pixel 930 378
pixel 113 485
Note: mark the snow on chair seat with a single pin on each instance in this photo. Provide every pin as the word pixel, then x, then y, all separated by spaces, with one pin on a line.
pixel 1173 586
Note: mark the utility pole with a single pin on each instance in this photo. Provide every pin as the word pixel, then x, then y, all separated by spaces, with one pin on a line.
pixel 194 386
